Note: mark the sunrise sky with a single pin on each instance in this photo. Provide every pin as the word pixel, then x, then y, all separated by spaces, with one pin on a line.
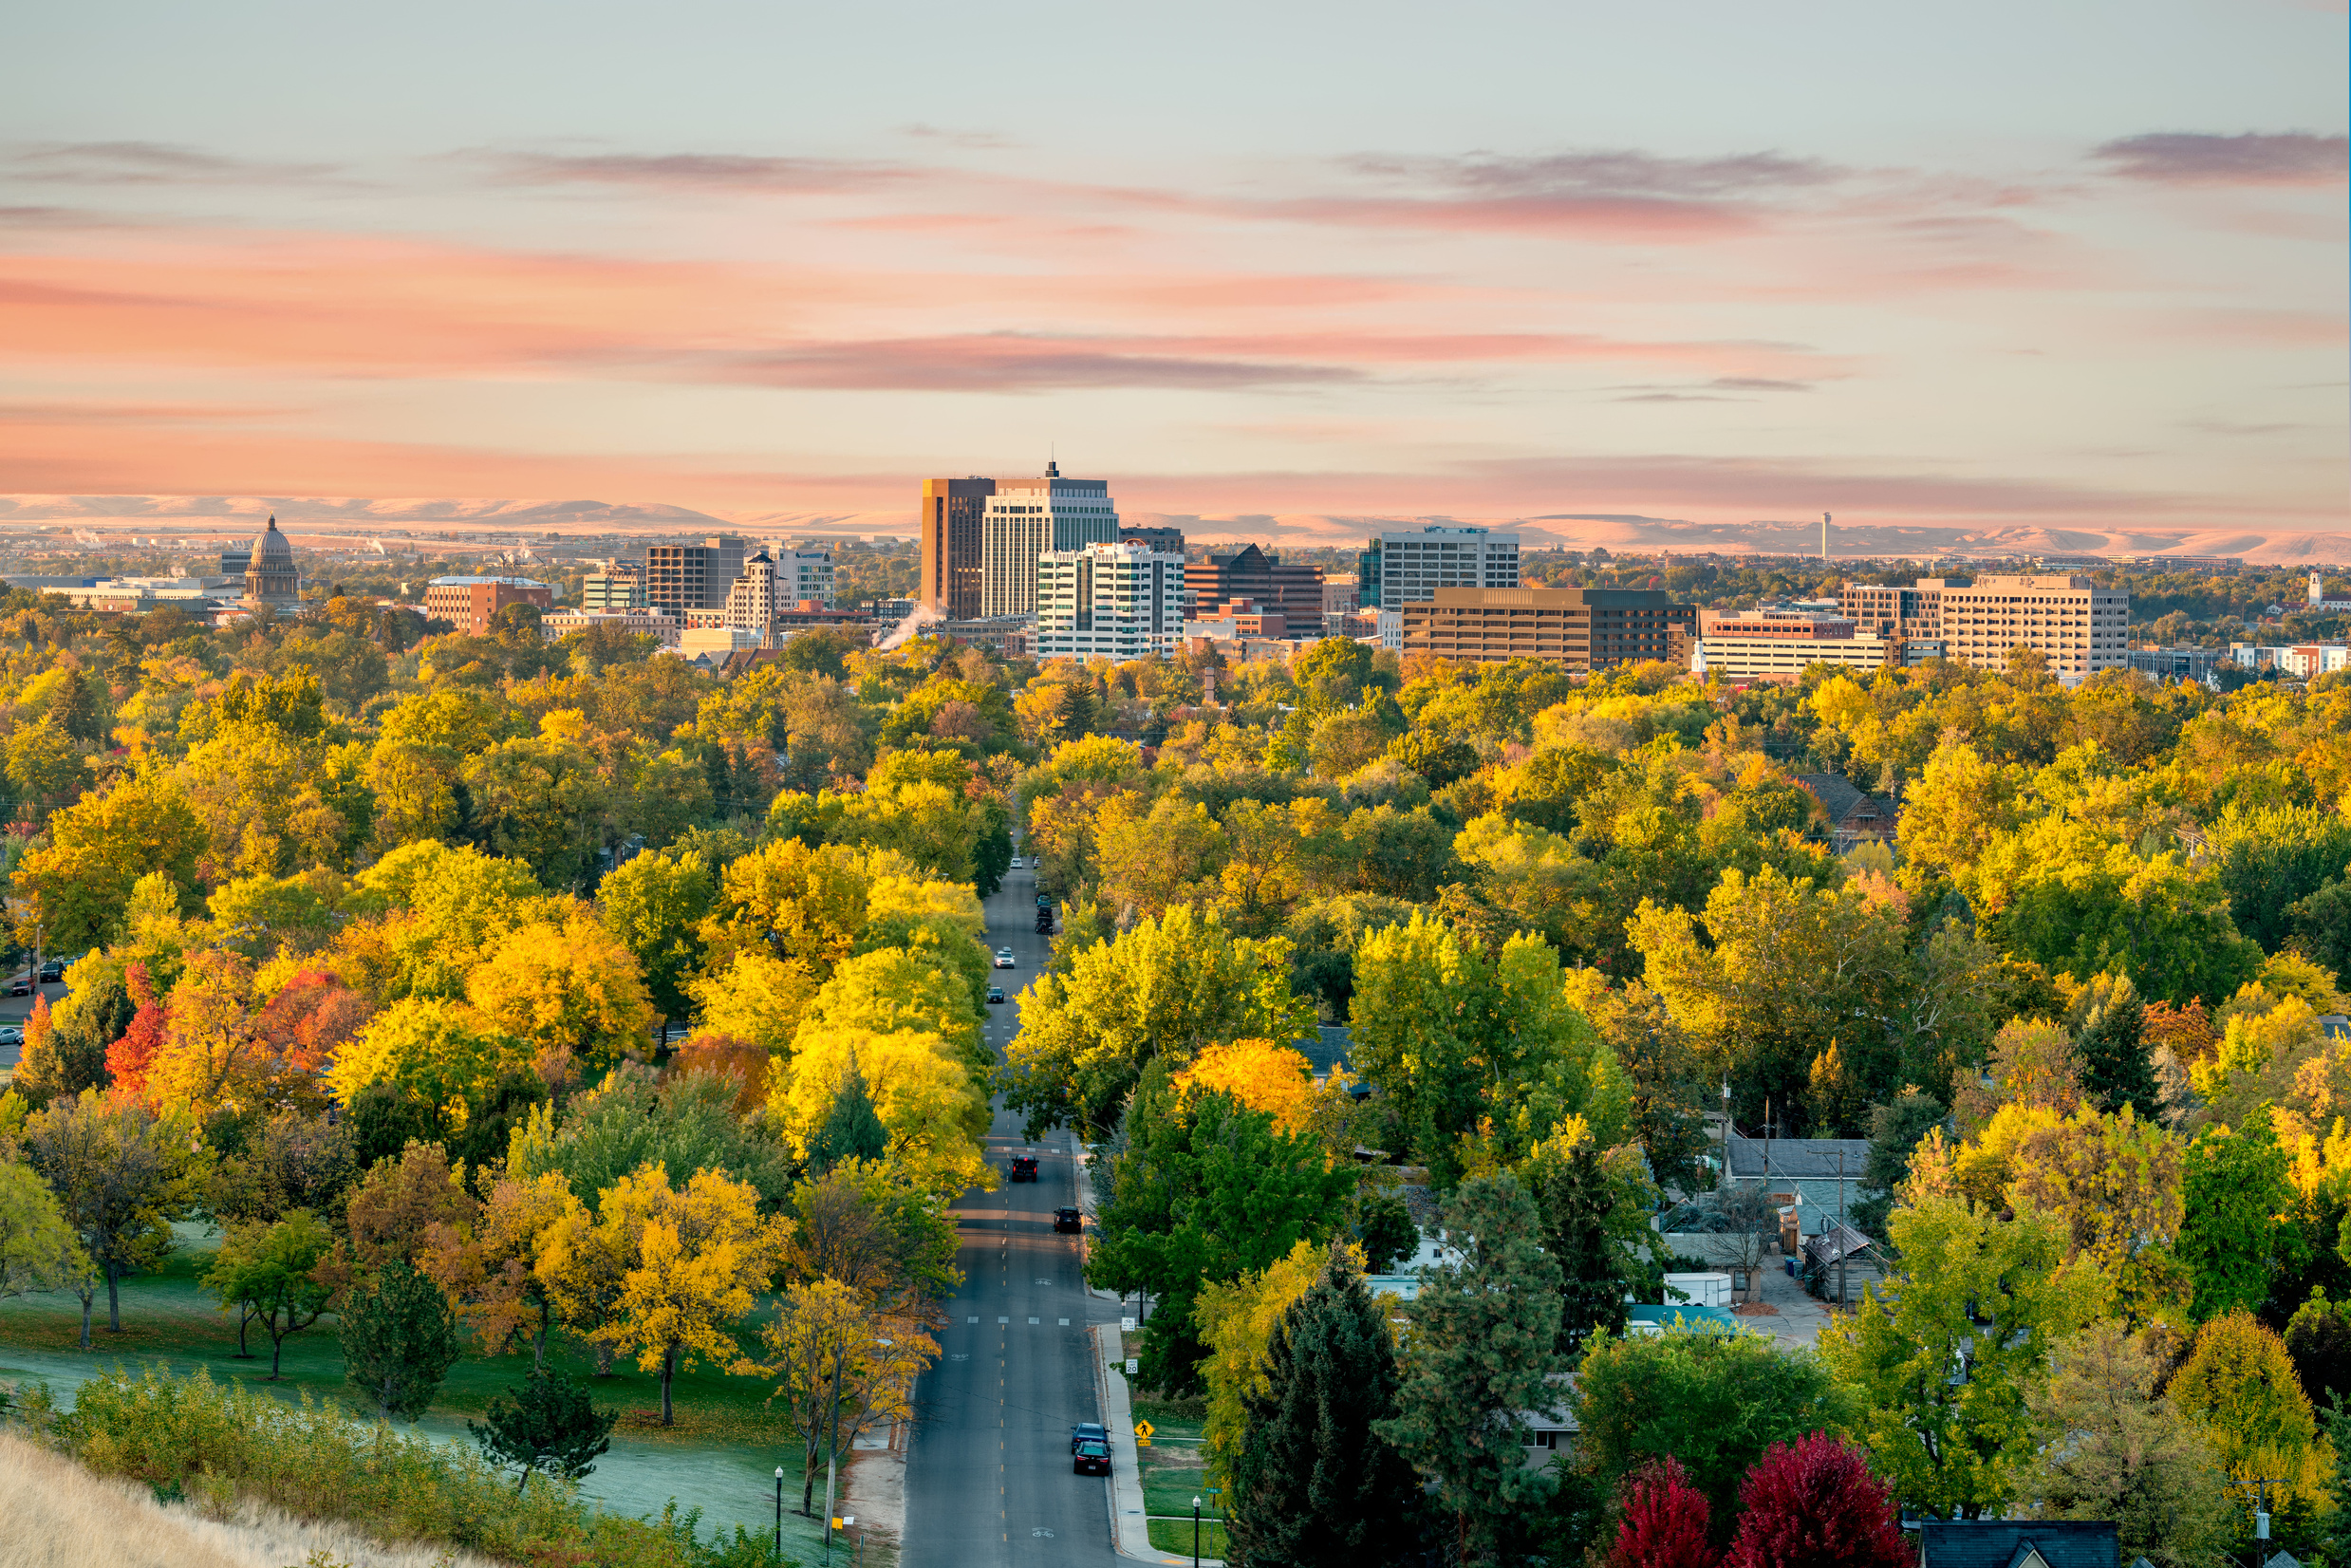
pixel 2071 263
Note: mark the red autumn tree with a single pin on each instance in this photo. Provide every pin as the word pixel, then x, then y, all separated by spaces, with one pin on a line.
pixel 1814 1503
pixel 741 1063
pixel 128 1058
pixel 309 1016
pixel 1661 1521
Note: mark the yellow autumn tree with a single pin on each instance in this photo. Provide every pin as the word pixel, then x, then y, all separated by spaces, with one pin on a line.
pixel 444 1051
pixel 211 1055
pixel 934 1110
pixel 895 989
pixel 490 1269
pixel 690 1262
pixel 571 988
pixel 754 997
pixel 843 1366
pixel 1239 1320
pixel 1261 1075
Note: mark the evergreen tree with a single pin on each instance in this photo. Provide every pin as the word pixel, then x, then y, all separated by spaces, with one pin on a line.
pixel 399 1340
pixel 1315 1485
pixel 2318 1338
pixel 102 1011
pixel 744 787
pixel 1575 1197
pixel 547 1423
pixel 2109 1022
pixel 852 1128
pixel 1483 1343
pixel 74 706
pixel 720 777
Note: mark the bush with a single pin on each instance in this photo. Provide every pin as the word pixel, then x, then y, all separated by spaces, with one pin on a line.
pixel 188 1436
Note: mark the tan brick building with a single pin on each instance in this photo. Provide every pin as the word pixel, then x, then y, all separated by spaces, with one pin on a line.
pixel 1589 628
pixel 468 602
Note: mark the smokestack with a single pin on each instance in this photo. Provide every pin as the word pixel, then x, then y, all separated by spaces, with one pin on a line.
pixel 1824 535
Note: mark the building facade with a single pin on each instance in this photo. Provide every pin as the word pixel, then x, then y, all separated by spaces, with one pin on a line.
pixel 1887 609
pixel 557 625
pixel 270 575
pixel 1167 541
pixel 1407 567
pixel 615 584
pixel 468 602
pixel 1294 590
pixel 2080 627
pixel 757 594
pixel 806 576
pixel 1025 519
pixel 679 578
pixel 948 527
pixel 1113 601
pixel 1586 628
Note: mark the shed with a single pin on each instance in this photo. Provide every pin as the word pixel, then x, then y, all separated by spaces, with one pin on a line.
pixel 2018 1543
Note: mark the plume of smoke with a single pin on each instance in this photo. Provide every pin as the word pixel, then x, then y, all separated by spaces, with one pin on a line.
pixel 922 615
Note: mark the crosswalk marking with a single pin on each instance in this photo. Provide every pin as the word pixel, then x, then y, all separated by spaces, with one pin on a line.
pixel 970 1319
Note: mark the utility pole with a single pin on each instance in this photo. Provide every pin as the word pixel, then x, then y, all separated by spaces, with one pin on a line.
pixel 832 1448
pixel 1841 1248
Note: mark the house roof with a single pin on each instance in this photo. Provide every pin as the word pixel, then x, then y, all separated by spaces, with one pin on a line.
pixel 1836 793
pixel 1794 1158
pixel 2014 1542
pixel 1325 1049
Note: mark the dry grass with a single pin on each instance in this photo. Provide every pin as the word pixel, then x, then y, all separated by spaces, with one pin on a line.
pixel 61 1515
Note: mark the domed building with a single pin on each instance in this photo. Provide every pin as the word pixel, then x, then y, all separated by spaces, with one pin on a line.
pixel 270 577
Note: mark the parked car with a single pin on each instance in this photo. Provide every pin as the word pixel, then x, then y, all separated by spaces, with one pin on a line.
pixel 1004 958
pixel 1044 903
pixel 996 993
pixel 1024 1168
pixel 12 1035
pixel 52 971
pixel 21 986
pixel 1067 1220
pixel 1087 1431
pixel 1092 1459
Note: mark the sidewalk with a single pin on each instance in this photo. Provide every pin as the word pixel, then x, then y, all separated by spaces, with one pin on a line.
pixel 1131 1533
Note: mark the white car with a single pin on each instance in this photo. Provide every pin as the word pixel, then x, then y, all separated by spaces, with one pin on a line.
pixel 1004 958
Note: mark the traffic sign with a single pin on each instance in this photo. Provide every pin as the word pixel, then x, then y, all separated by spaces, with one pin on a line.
pixel 1143 1434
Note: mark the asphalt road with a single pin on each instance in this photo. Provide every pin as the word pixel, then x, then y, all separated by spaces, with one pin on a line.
pixel 988 1477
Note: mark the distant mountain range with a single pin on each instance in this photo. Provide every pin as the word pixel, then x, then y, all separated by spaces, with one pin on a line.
pixel 1614 531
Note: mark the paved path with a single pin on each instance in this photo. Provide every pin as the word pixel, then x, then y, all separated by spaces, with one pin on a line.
pixel 988 1478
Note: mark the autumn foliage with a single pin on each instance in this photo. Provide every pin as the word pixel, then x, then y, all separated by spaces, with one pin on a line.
pixel 1661 1521
pixel 1814 1503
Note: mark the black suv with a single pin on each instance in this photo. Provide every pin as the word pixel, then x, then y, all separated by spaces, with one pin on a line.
pixel 1024 1168
pixel 1069 1220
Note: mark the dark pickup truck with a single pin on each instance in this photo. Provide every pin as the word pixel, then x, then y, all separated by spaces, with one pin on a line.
pixel 1024 1168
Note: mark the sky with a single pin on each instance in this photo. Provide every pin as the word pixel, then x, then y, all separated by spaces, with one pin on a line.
pixel 2002 264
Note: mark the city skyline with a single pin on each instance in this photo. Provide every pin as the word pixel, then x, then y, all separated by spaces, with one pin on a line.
pixel 1713 269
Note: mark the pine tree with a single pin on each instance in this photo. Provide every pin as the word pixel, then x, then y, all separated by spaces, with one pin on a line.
pixel 1315 1485
pixel 720 777
pixel 399 1340
pixel 1814 1503
pixel 1575 1197
pixel 852 1128
pixel 75 708
pixel 1484 1342
pixel 2108 1028
pixel 1661 1520
pixel 545 1424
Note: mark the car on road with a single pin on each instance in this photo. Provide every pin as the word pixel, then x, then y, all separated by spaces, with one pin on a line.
pixel 996 993
pixel 1087 1431
pixel 12 1035
pixel 1004 958
pixel 52 971
pixel 1069 1220
pixel 1092 1459
pixel 1024 1168
pixel 21 986
pixel 1044 903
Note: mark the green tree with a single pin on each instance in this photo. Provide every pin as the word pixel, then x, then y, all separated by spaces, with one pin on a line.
pixel 852 1128
pixel 73 706
pixel 1941 1350
pixel 1577 1201
pixel 2113 1449
pixel 1895 1129
pixel 2272 857
pixel 77 886
pixel 271 1272
pixel 43 769
pixel 2238 1385
pixel 688 1123
pixel 1479 1353
pixel 2318 1338
pixel 2236 1196
pixel 1714 1401
pixel 121 1172
pixel 1167 989
pixel 544 1424
pixel 1205 1191
pixel 655 904
pixel 1315 1485
pixel 2107 1020
pixel 400 1339
pixel 39 1250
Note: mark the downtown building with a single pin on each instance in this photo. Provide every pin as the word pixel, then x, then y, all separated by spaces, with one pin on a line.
pixel 1291 591
pixel 1025 519
pixel 1408 566
pixel 1584 628
pixel 947 527
pixel 1108 600
pixel 680 579
pixel 2077 626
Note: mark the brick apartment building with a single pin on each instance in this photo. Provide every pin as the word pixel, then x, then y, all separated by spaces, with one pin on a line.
pixel 468 602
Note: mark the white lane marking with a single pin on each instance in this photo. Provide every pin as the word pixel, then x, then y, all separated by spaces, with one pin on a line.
pixel 970 1319
pixel 1065 1322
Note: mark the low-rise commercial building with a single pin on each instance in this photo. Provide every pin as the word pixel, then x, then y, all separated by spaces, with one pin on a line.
pixel 468 602
pixel 2180 663
pixel 615 584
pixel 2299 660
pixel 1587 628
pixel 557 625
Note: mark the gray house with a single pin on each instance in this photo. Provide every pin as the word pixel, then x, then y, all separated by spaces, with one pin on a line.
pixel 2017 1543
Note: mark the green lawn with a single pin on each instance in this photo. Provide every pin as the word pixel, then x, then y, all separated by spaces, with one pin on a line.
pixel 720 1456
pixel 1175 1535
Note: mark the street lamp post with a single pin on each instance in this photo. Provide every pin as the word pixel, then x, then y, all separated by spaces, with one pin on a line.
pixel 780 1513
pixel 1195 1533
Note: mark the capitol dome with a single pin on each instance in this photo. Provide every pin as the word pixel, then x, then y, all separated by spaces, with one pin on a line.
pixel 270 579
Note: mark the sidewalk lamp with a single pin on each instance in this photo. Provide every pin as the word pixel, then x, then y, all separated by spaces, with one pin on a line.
pixel 780 1513
pixel 1195 1533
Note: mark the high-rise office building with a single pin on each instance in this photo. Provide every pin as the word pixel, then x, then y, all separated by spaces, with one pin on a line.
pixel 1408 566
pixel 949 525
pixel 1117 601
pixel 1027 517
pixel 805 574
pixel 2078 626
pixel 615 584
pixel 679 578
pixel 1293 589
pixel 1586 628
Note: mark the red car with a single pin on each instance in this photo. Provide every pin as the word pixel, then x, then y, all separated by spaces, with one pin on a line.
pixel 1024 1168
pixel 1092 1459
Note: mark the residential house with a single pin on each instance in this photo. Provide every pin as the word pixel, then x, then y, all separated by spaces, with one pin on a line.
pixel 1854 815
pixel 2018 1543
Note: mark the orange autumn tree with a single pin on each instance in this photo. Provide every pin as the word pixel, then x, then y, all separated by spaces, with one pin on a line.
pixel 130 1058
pixel 1261 1075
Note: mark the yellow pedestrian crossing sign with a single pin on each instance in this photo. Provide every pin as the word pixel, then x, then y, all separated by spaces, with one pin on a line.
pixel 1142 1434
